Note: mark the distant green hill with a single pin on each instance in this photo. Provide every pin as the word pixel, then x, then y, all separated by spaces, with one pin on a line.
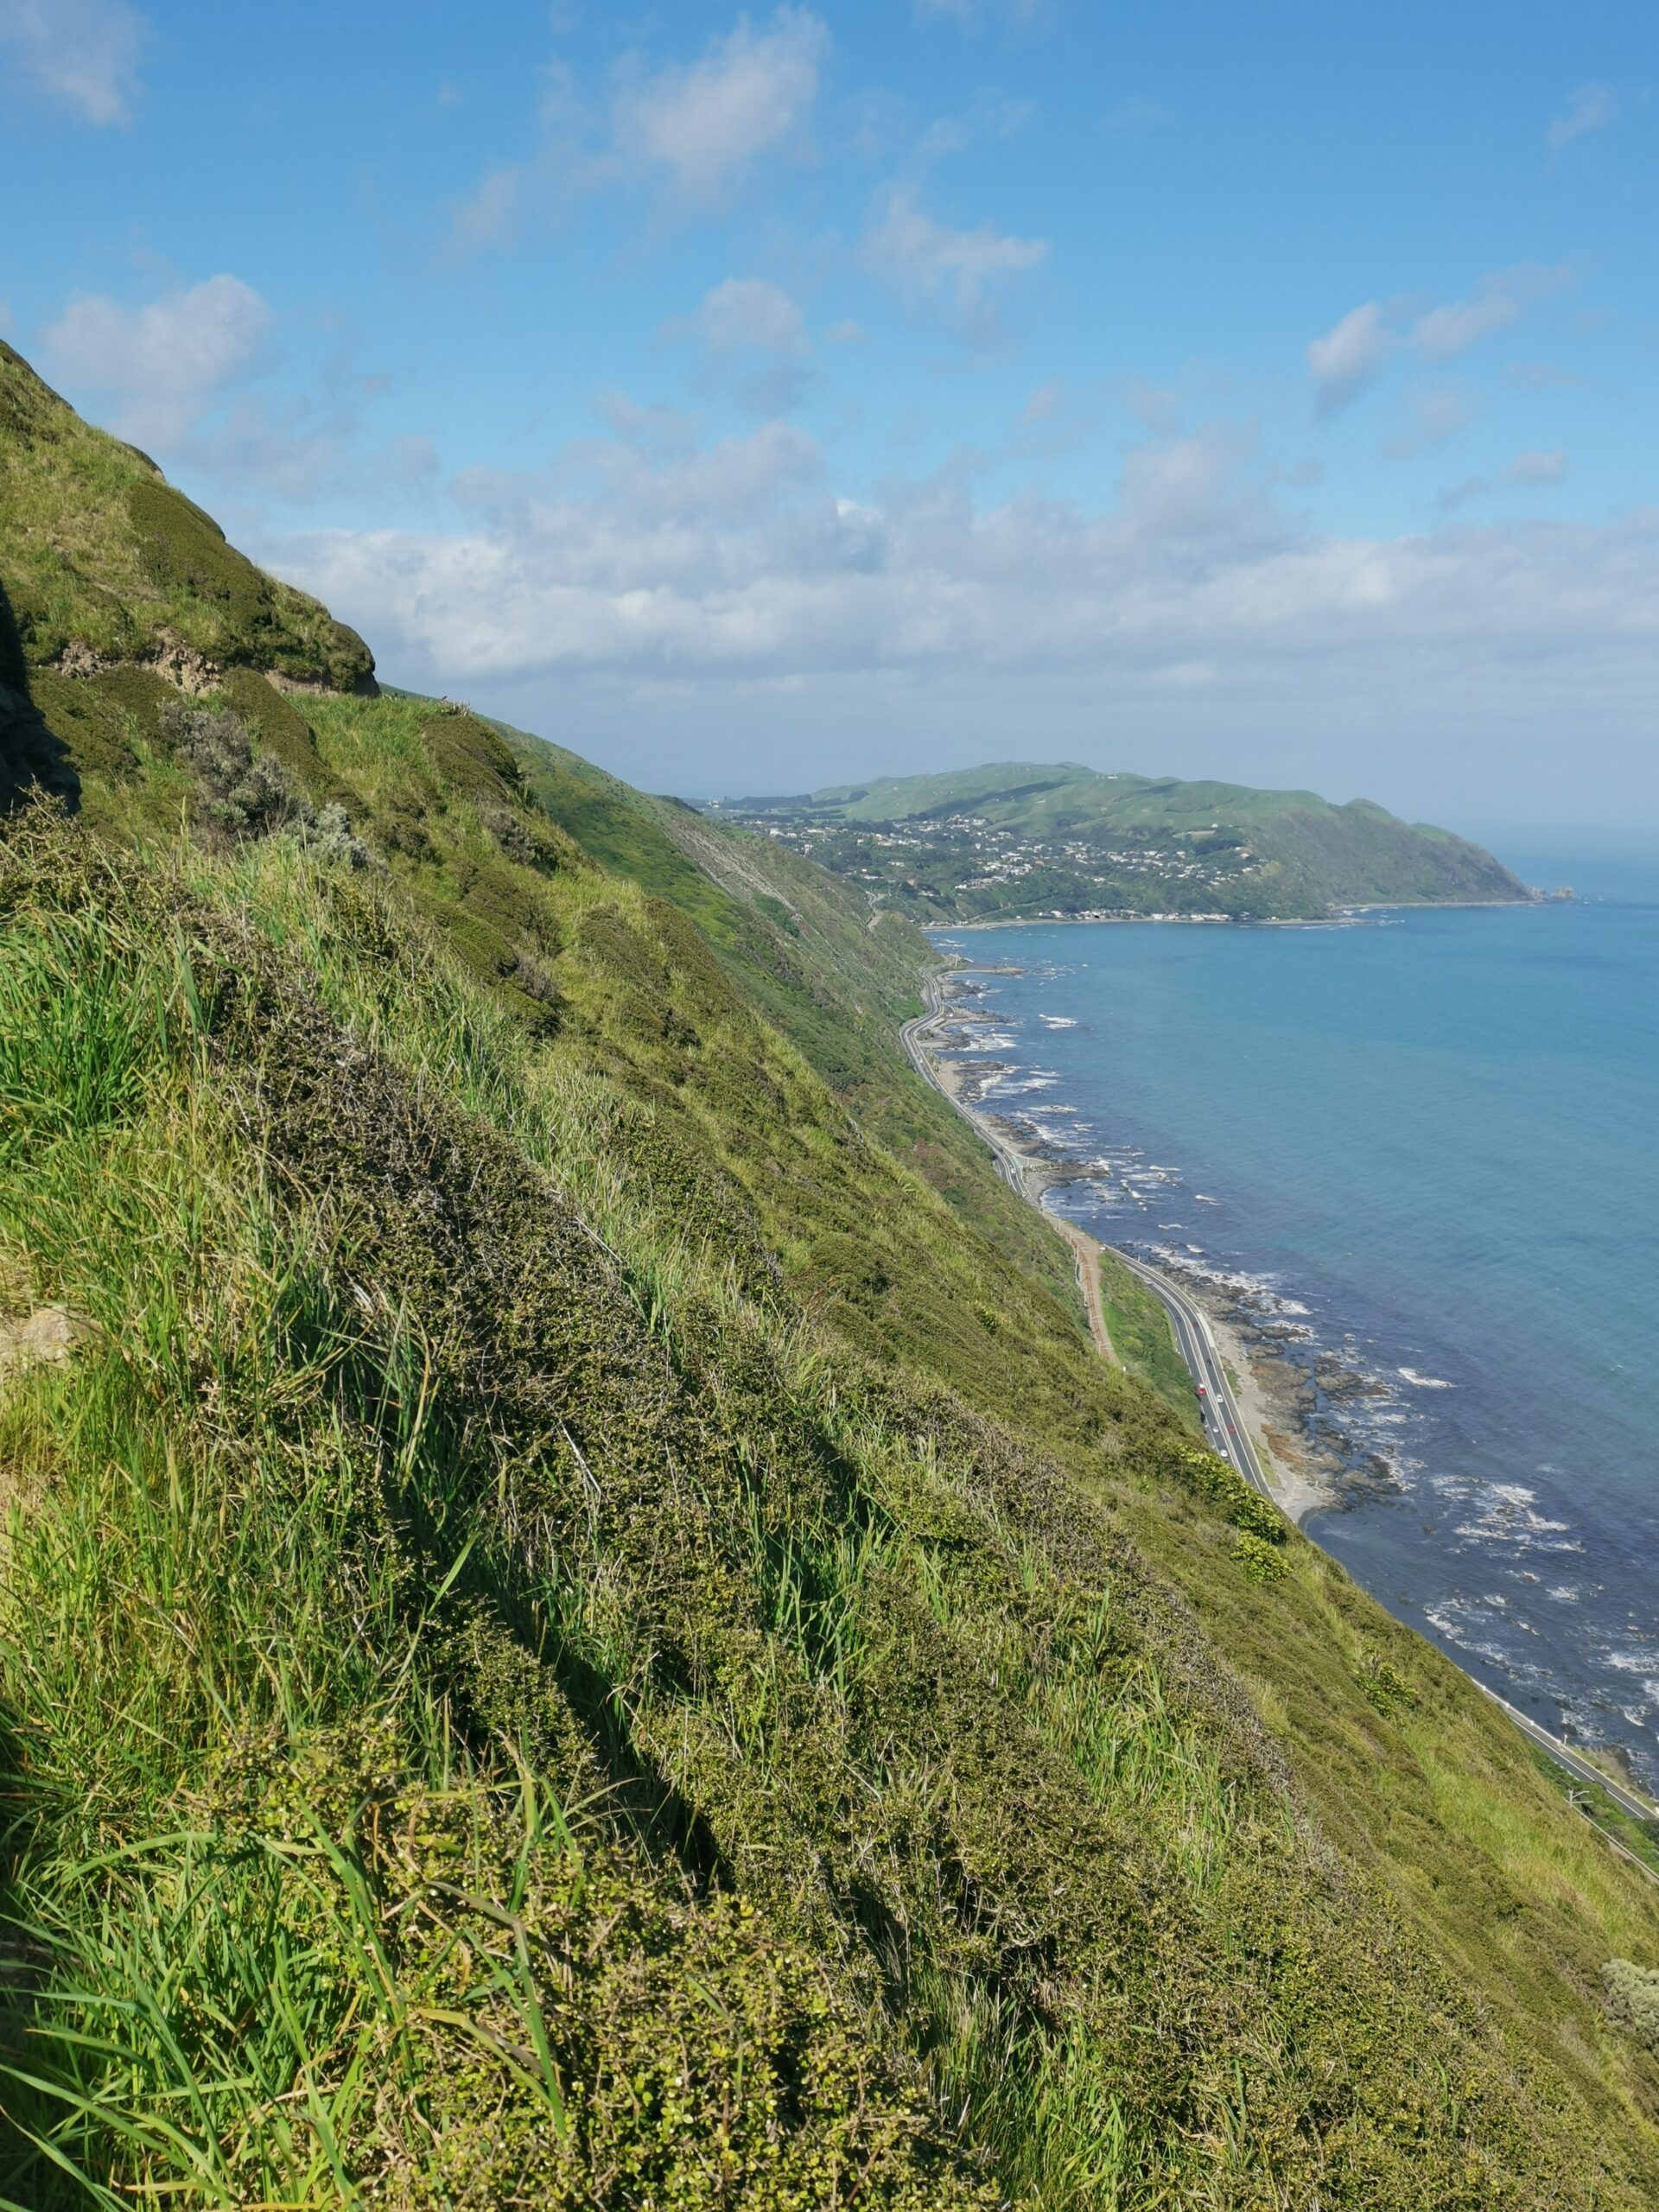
pixel 580 1623
pixel 1017 839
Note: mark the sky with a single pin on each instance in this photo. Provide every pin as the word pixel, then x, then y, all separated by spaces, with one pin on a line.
pixel 757 400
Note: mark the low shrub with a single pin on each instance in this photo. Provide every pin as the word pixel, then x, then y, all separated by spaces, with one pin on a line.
pixel 1245 1507
pixel 249 793
pixel 1259 1561
pixel 1385 1687
pixel 1633 2000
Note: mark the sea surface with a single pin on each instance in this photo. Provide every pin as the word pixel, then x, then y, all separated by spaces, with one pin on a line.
pixel 1431 1141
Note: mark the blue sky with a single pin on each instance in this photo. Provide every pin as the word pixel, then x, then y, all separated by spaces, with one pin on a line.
pixel 755 400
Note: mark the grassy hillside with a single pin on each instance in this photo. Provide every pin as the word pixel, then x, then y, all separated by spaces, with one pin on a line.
pixel 105 563
pixel 1017 839
pixel 803 947
pixel 580 1623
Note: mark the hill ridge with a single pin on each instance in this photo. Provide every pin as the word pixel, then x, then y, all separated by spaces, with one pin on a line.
pixel 1018 841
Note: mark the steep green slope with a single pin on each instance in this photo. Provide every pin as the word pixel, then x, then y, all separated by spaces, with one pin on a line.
pixel 105 563
pixel 1017 839
pixel 573 1630
pixel 805 949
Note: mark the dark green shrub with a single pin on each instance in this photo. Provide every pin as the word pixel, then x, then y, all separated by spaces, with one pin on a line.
pixel 1225 1487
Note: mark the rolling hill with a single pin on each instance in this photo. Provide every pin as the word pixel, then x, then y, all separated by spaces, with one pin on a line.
pixel 1017 840
pixel 580 1623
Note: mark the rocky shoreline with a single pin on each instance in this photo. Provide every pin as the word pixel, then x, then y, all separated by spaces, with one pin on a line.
pixel 1294 1392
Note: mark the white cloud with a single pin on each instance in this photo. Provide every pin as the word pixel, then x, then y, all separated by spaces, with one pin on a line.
pixel 971 13
pixel 1445 332
pixel 1347 356
pixel 1156 407
pixel 707 122
pixel 745 313
pixel 1044 403
pixel 928 258
pixel 163 366
pixel 990 116
pixel 1526 472
pixel 783 617
pixel 1536 468
pixel 696 128
pixel 1591 107
pixel 490 213
pixel 1544 376
pixel 736 563
pixel 82 54
pixel 655 429
pixel 1436 417
pixel 299 446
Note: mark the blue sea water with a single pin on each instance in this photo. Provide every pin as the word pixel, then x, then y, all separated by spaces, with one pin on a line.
pixel 1431 1141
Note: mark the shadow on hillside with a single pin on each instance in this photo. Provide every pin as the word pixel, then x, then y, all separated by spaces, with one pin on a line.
pixel 31 2102
pixel 31 759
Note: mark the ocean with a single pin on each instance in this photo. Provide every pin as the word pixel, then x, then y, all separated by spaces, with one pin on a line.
pixel 1424 1149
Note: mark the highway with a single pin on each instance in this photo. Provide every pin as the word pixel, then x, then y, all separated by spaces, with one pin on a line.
pixel 1627 1800
pixel 1223 1424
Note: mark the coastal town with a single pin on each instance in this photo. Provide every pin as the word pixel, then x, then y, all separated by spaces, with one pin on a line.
pixel 963 863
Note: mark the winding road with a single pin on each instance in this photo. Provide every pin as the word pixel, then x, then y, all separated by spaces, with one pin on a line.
pixel 1223 1424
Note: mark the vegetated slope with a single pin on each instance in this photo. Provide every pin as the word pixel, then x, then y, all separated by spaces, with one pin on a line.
pixel 571 1632
pixel 106 564
pixel 1017 839
pixel 804 948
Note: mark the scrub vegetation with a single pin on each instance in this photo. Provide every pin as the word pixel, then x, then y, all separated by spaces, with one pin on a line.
pixel 580 1623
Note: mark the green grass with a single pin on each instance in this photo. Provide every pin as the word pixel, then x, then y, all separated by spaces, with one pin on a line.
pixel 1640 1838
pixel 1141 1334
pixel 582 1625
pixel 402 1799
pixel 102 555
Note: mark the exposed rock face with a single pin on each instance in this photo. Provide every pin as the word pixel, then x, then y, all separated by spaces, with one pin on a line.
pixel 184 667
pixel 78 659
pixel 43 1338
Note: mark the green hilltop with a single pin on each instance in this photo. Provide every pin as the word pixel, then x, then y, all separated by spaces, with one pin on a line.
pixel 1019 839
pixel 580 1623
